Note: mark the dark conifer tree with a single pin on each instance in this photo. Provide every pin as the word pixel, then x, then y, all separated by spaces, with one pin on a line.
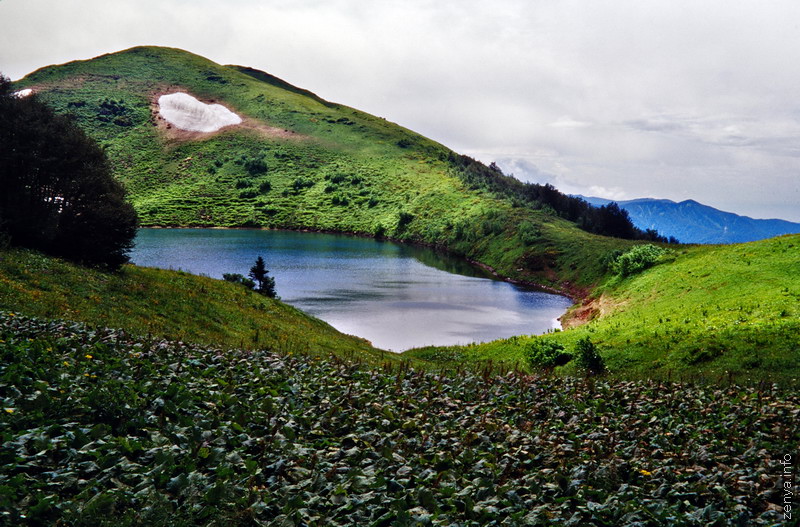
pixel 265 284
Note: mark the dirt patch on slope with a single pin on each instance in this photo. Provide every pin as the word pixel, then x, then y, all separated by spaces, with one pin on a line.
pixel 590 309
pixel 172 133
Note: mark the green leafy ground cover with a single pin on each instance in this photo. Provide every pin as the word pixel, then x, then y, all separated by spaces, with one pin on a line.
pixel 167 304
pixel 720 312
pixel 99 428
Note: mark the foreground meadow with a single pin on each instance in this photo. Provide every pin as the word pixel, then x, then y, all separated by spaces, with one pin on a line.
pixel 102 428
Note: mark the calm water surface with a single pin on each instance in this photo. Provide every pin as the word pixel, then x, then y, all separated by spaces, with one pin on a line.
pixel 397 297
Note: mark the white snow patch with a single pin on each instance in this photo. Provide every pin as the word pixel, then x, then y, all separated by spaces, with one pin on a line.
pixel 187 113
pixel 23 93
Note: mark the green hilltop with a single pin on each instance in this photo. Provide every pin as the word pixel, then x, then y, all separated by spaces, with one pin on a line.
pixel 300 162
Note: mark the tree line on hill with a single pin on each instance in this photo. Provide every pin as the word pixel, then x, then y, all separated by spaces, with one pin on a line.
pixel 57 191
pixel 608 220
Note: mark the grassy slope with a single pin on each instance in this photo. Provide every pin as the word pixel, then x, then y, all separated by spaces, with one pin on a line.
pixel 339 169
pixel 711 311
pixel 167 304
pixel 360 179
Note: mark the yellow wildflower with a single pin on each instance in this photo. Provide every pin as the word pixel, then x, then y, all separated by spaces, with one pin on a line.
pixel 66 363
pixel 9 410
pixel 88 356
pixel 644 472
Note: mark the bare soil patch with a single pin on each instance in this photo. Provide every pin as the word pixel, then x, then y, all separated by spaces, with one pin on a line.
pixel 174 134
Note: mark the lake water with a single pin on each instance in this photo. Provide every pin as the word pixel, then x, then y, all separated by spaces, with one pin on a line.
pixel 396 296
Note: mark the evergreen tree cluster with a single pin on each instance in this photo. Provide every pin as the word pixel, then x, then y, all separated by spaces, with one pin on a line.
pixel 608 220
pixel 57 192
pixel 258 279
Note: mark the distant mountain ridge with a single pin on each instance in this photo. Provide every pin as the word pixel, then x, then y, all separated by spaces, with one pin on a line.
pixel 693 222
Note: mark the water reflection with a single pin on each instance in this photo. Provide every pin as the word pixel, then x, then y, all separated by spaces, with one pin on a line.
pixel 396 296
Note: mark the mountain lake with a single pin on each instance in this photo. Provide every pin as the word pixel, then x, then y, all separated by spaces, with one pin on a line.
pixel 396 296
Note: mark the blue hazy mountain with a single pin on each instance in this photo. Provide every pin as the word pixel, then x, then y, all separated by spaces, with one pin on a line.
pixel 693 222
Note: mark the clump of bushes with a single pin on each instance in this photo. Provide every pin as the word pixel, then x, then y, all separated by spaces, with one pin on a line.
pixel 637 259
pixel 546 354
pixel 300 183
pixel 588 357
pixel 255 167
pixel 237 278
pixel 403 219
pixel 117 112
pixel 110 108
pixel 528 233
pixel 543 354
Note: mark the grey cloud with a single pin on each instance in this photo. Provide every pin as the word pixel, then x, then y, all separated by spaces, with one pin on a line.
pixel 676 99
pixel 653 125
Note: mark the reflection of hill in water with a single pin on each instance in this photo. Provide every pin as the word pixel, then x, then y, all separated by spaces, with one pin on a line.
pixel 444 262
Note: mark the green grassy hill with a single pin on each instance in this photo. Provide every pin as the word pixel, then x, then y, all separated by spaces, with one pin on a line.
pixel 706 311
pixel 300 162
pixel 158 304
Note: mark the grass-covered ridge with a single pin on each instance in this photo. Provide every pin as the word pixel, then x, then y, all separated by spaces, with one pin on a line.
pixel 167 304
pixel 300 162
pixel 99 428
pixel 715 312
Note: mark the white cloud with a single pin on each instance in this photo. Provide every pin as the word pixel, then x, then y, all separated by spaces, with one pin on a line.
pixel 677 99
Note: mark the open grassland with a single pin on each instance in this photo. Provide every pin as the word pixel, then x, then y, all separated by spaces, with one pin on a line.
pixel 716 312
pixel 99 428
pixel 167 304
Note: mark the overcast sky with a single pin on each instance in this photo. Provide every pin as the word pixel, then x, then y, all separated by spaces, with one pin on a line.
pixel 677 99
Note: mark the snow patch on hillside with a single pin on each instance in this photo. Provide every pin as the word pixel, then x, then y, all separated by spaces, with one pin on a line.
pixel 187 113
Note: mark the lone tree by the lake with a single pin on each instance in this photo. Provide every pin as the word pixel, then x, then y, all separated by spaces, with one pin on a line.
pixel 57 192
pixel 265 284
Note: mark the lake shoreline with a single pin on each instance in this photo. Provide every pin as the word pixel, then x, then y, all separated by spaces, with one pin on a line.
pixel 576 295
pixel 376 287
